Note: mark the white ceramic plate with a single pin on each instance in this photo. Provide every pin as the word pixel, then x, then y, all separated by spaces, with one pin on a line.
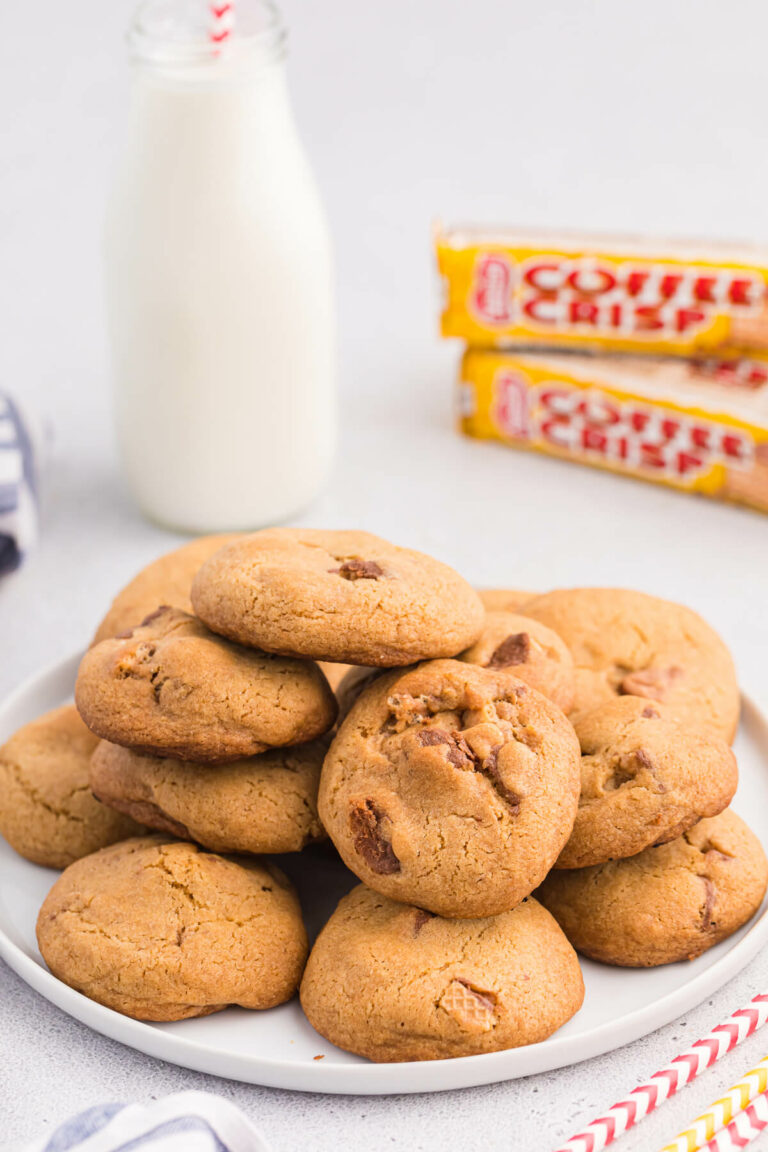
pixel 279 1048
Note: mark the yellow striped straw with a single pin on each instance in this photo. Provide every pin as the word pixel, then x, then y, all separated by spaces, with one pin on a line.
pixel 735 1100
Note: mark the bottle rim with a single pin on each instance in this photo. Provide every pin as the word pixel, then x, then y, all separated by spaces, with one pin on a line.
pixel 172 33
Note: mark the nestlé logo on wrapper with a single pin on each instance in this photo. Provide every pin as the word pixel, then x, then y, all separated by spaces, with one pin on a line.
pixel 510 410
pixel 493 285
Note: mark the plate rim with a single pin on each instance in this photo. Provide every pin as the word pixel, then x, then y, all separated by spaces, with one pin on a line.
pixel 405 1077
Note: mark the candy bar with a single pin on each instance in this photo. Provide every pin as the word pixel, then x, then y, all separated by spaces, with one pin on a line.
pixel 697 426
pixel 603 294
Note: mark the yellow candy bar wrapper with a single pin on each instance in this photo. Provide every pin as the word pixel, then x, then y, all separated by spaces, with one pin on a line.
pixel 697 426
pixel 595 293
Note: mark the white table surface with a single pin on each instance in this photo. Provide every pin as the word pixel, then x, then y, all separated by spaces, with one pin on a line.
pixel 646 117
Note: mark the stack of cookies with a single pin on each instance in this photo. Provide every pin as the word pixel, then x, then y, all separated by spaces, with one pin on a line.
pixel 512 778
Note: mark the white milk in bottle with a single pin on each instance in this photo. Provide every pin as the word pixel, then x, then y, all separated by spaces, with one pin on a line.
pixel 219 281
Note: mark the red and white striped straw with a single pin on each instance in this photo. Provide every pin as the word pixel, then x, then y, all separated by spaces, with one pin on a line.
pixel 745 1127
pixel 666 1082
pixel 221 22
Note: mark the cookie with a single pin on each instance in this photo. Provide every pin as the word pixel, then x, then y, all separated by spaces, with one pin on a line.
pixel 172 688
pixel 264 804
pixel 452 787
pixel 47 812
pixel 645 779
pixel 668 903
pixel 160 930
pixel 166 580
pixel 530 650
pixel 630 644
pixel 504 599
pixel 394 983
pixel 336 596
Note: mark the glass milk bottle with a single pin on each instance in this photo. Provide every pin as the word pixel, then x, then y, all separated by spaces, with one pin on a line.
pixel 219 279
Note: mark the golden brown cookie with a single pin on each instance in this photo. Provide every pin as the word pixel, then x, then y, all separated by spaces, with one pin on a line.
pixel 172 688
pixel 630 644
pixel 160 930
pixel 668 903
pixel 393 983
pixel 166 580
pixel 645 779
pixel 504 599
pixel 47 812
pixel 534 653
pixel 452 787
pixel 264 804
pixel 336 596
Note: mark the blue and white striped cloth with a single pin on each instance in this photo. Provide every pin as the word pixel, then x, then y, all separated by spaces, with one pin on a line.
pixel 185 1122
pixel 18 487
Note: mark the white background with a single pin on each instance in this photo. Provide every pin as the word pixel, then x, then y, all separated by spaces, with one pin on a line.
pixel 647 117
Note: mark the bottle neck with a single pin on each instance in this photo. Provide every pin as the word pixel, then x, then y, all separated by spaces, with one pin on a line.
pixel 171 41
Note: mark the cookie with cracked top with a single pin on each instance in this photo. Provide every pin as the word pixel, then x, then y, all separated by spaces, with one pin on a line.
pixel 172 688
pixel 668 903
pixel 160 930
pixel 167 580
pixel 394 983
pixel 47 812
pixel 346 597
pixel 263 804
pixel 645 779
pixel 627 643
pixel 534 653
pixel 452 787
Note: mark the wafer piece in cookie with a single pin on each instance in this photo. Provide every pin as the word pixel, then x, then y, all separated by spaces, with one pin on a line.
pixel 452 787
pixel 336 596
pixel 645 779
pixel 534 653
pixel 668 903
pixel 167 580
pixel 393 983
pixel 160 930
pixel 263 804
pixel 47 812
pixel 630 644
pixel 172 688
